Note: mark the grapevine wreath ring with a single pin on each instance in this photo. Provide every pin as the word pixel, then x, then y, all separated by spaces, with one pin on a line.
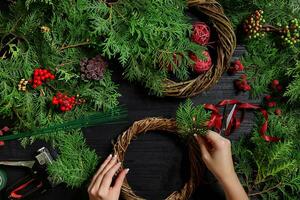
pixel 224 50
pixel 169 126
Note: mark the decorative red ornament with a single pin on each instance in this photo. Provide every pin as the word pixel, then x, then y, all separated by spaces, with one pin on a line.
pixel 278 112
pixel 40 76
pixel 201 33
pixel 201 66
pixel 236 67
pixel 65 103
pixel 242 84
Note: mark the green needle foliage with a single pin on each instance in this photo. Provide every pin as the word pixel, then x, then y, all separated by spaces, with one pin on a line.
pixel 271 170
pixel 191 119
pixel 146 36
pixel 55 35
pixel 267 58
pixel 76 162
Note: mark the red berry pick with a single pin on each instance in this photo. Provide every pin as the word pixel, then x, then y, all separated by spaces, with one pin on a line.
pixel 65 103
pixel 40 76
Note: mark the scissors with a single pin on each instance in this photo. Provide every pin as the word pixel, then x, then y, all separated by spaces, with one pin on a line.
pixel 227 118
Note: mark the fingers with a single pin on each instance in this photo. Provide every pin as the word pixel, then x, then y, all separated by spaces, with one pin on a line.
pixel 95 187
pixel 99 171
pixel 108 177
pixel 120 179
pixel 204 151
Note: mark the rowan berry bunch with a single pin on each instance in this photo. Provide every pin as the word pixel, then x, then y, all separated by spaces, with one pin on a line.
pixel 40 76
pixel 65 103
pixel 236 67
pixel 242 84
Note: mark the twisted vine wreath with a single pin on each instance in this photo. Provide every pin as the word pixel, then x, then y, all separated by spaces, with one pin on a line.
pixel 168 125
pixel 226 43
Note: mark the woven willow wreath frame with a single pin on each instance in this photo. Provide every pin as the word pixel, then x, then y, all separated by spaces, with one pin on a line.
pixel 169 126
pixel 226 43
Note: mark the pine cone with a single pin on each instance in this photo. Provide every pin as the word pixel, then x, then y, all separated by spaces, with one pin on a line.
pixel 93 69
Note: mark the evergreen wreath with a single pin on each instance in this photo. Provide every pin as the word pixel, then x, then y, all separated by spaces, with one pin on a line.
pixel 46 46
pixel 152 42
pixel 189 120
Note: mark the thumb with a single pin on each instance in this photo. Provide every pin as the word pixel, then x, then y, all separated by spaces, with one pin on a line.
pixel 204 152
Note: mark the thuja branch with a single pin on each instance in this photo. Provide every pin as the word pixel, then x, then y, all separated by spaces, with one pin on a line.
pixel 265 191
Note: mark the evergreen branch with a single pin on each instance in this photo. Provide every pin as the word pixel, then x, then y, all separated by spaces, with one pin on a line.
pixel 265 191
pixel 74 45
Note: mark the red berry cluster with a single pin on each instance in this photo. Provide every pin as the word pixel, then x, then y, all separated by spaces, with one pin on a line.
pixel 275 85
pixel 236 67
pixel 65 103
pixel 40 76
pixel 276 94
pixel 242 84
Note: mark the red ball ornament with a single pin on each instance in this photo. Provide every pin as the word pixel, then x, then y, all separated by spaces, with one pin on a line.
pixel 201 33
pixel 201 66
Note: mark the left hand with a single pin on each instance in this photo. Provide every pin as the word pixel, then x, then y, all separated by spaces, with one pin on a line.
pixel 101 187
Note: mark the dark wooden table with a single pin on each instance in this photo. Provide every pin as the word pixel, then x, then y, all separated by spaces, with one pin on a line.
pixel 156 160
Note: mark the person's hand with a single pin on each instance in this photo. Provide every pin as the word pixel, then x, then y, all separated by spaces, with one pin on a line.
pixel 216 154
pixel 101 187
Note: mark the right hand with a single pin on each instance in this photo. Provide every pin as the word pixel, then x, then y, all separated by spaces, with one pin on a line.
pixel 216 154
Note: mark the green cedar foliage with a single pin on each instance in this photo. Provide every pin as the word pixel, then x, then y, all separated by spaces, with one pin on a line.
pixel 267 58
pixel 191 119
pixel 144 35
pixel 76 162
pixel 270 170
pixel 24 47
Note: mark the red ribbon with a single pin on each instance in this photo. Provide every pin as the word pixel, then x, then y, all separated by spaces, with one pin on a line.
pixel 216 118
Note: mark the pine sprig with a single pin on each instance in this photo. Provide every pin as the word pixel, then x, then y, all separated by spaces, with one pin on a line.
pixel 76 162
pixel 191 119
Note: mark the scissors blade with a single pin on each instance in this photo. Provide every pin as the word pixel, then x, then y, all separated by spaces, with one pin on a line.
pixel 230 115
pixel 28 164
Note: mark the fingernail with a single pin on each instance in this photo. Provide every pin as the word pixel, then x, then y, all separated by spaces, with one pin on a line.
pixel 195 135
pixel 127 170
pixel 115 156
pixel 119 163
pixel 109 156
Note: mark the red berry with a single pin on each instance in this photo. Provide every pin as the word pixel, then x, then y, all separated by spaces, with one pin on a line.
pixel 52 77
pixel 279 88
pixel 247 88
pixel 268 97
pixel 278 112
pixel 271 104
pixel 39 82
pixel 63 108
pixel 275 82
pixel 243 76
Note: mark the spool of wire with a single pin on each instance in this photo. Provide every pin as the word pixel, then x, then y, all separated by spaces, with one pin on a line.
pixel 3 179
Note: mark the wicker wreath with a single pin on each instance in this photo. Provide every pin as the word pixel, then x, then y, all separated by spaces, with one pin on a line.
pixel 167 125
pixel 225 47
